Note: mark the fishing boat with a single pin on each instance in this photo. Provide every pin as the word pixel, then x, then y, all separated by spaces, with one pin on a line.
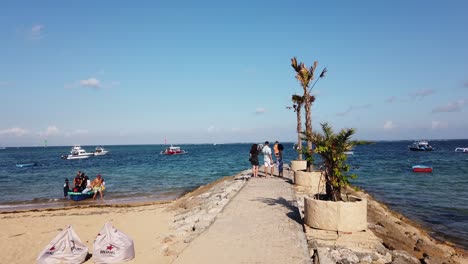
pixel 99 151
pixel 422 145
pixel 421 168
pixel 464 150
pixel 173 151
pixel 77 196
pixel 77 153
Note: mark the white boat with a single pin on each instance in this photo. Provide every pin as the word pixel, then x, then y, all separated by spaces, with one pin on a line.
pixel 100 151
pixel 422 145
pixel 349 152
pixel 173 151
pixel 78 153
pixel 464 150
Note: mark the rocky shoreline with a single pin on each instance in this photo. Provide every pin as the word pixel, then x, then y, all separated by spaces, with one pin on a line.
pixel 390 238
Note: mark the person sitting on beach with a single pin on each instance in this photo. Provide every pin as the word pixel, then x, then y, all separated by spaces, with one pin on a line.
pixel 97 185
pixel 87 182
pixel 77 182
pixel 84 182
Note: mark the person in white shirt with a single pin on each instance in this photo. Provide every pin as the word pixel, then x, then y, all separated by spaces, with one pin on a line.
pixel 268 160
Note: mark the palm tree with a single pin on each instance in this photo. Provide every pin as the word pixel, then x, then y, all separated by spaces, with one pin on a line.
pixel 305 75
pixel 297 106
pixel 331 148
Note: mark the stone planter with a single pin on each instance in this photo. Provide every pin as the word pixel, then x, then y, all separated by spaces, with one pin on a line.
pixel 314 180
pixel 298 165
pixel 348 216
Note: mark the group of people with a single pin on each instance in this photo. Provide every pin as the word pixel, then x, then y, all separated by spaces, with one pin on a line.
pixel 83 185
pixel 268 162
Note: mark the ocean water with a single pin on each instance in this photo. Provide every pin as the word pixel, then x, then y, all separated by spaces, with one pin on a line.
pixel 437 200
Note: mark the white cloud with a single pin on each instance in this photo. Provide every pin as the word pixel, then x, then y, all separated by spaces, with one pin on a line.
pixel 36 31
pixel 15 131
pixel 50 131
pixel 391 99
pixel 438 125
pixel 421 93
pixel 260 111
pixel 211 129
pixel 451 107
pixel 389 125
pixel 91 82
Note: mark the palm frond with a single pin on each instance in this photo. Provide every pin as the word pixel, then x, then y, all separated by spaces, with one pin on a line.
pixel 323 72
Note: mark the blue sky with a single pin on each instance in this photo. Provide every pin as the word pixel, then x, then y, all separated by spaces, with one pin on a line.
pixel 125 72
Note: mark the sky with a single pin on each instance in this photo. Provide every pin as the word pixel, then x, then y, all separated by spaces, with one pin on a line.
pixel 150 72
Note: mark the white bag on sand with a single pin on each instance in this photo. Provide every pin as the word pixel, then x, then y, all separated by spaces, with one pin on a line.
pixel 112 246
pixel 66 247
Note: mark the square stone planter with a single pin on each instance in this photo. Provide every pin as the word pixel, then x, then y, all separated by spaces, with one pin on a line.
pixel 298 165
pixel 348 216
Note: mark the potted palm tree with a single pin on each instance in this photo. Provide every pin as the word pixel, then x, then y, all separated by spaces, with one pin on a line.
pixel 305 75
pixel 335 210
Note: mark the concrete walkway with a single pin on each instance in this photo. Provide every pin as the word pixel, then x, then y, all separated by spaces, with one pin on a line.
pixel 260 225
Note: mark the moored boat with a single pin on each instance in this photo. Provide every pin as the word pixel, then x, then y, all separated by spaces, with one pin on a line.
pixel 173 151
pixel 464 150
pixel 100 151
pixel 422 145
pixel 78 153
pixel 77 196
pixel 421 168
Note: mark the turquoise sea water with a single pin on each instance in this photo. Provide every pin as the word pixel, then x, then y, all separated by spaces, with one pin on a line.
pixel 437 200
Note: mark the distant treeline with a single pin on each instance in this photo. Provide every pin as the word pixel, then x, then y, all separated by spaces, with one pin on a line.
pixel 362 142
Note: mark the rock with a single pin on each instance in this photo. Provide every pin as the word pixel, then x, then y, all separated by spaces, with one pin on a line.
pixel 400 256
pixel 344 255
pixel 366 259
pixel 323 256
pixel 387 258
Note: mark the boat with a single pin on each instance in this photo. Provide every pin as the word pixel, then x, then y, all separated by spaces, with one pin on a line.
pixel 464 150
pixel 349 152
pixel 32 164
pixel 422 145
pixel 78 153
pixel 421 168
pixel 100 151
pixel 77 196
pixel 173 151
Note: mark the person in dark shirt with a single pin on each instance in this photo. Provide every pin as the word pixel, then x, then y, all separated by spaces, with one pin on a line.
pixel 66 188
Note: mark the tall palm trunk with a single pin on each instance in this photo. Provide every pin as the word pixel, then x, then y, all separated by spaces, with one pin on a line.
pixel 308 120
pixel 299 131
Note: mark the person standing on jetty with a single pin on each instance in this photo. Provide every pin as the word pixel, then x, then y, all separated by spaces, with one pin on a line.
pixel 280 160
pixel 276 151
pixel 254 159
pixel 268 160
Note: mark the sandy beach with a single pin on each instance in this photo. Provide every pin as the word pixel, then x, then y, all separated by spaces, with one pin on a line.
pixel 25 234
pixel 164 232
